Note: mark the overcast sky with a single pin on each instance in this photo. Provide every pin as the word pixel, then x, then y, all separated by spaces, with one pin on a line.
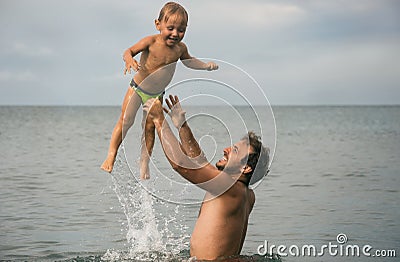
pixel 300 52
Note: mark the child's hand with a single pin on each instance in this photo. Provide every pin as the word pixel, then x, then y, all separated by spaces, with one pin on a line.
pixel 131 64
pixel 175 111
pixel 211 66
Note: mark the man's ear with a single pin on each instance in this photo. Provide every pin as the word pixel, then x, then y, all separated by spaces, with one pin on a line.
pixel 246 169
pixel 157 23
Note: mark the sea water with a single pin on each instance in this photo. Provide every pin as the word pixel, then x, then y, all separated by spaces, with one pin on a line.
pixel 335 171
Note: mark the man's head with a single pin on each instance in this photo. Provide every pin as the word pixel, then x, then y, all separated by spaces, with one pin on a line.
pixel 248 156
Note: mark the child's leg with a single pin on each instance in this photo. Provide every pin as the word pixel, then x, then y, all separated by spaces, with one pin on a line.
pixel 148 139
pixel 147 148
pixel 129 108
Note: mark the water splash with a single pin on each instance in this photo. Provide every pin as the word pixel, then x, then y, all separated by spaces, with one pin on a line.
pixel 155 230
pixel 149 236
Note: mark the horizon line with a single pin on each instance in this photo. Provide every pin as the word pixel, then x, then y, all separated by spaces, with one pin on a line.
pixel 238 105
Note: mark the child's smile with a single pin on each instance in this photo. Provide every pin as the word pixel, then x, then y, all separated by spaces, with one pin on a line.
pixel 173 30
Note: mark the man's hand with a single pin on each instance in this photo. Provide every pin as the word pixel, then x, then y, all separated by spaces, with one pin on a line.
pixel 211 66
pixel 131 63
pixel 175 111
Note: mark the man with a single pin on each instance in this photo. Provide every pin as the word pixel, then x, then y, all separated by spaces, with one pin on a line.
pixel 221 226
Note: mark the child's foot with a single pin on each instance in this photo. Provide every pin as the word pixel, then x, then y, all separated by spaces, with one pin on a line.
pixel 108 164
pixel 144 170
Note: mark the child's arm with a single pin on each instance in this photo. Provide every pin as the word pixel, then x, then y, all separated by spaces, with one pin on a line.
pixel 195 63
pixel 132 51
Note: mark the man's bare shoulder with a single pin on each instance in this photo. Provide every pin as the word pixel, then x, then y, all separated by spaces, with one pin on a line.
pixel 239 197
pixel 239 189
pixel 252 198
pixel 236 195
pixel 244 193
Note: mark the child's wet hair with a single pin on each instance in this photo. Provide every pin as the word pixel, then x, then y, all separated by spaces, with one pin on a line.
pixel 172 8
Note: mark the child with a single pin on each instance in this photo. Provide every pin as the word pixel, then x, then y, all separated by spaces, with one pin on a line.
pixel 156 51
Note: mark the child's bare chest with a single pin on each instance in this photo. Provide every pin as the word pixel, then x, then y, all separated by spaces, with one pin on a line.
pixel 163 56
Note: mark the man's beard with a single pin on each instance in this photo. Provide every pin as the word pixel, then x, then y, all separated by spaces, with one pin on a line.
pixel 219 167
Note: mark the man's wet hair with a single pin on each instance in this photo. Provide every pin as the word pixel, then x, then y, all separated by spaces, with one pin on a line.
pixel 259 159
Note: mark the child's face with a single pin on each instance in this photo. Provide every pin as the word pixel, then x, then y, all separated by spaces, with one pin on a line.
pixel 173 30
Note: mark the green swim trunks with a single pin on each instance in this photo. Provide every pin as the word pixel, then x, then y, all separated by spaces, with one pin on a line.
pixel 143 94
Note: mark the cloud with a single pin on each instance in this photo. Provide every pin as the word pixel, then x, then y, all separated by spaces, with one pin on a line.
pixel 32 51
pixel 257 15
pixel 267 15
pixel 350 72
pixel 297 47
pixel 339 6
pixel 111 78
pixel 26 76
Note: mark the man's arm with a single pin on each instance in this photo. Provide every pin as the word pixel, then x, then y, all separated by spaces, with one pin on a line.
pixel 188 141
pixel 197 170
